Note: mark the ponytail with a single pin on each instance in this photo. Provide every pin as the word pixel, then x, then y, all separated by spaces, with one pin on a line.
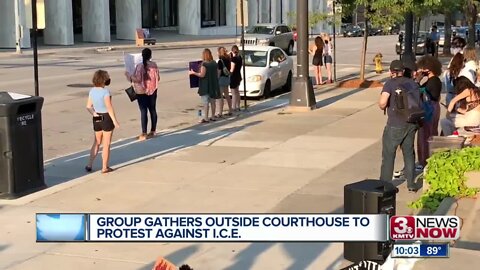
pixel 146 56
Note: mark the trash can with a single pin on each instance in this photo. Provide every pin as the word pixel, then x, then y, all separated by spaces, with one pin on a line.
pixel 369 197
pixel 21 150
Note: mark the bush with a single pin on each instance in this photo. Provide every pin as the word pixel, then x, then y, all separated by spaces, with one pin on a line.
pixel 445 175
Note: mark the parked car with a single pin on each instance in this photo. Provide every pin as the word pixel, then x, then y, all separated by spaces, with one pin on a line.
pixel 421 45
pixel 353 31
pixel 277 35
pixel 267 68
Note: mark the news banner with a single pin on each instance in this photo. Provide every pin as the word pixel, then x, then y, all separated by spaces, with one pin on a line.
pixel 405 232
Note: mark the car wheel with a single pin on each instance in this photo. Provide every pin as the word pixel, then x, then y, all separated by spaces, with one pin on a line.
pixel 290 48
pixel 267 89
pixel 288 85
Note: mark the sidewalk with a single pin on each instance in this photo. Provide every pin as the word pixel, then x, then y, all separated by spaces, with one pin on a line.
pixel 268 160
pixel 165 40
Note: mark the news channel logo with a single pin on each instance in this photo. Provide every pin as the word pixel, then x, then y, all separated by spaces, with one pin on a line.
pixel 60 227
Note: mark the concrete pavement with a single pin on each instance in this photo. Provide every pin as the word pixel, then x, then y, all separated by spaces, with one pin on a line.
pixel 268 160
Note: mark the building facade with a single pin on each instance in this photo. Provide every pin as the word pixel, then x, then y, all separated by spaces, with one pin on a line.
pixel 104 20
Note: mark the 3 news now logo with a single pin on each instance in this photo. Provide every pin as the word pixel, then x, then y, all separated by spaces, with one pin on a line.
pixel 424 228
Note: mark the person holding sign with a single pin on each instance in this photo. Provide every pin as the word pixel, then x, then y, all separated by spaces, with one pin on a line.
pixel 208 89
pixel 145 82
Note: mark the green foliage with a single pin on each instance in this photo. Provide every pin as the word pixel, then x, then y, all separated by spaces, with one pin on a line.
pixel 446 177
pixel 314 18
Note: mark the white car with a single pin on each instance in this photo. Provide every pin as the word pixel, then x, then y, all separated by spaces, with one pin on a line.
pixel 267 68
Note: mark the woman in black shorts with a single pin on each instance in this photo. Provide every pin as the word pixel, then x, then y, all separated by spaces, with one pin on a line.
pixel 236 77
pixel 317 62
pixel 99 105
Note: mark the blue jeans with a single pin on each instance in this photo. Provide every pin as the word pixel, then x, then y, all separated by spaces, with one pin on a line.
pixel 393 137
pixel 148 103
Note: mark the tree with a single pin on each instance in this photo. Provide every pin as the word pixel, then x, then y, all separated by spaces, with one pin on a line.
pixel 386 13
pixel 314 18
pixel 471 13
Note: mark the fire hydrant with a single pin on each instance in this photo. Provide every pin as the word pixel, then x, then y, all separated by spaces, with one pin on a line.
pixel 378 63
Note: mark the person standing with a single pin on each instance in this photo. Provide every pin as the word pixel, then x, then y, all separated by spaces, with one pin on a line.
pixel 208 89
pixel 235 77
pixel 430 69
pixel 327 56
pixel 435 37
pixel 224 67
pixel 317 52
pixel 399 131
pixel 99 105
pixel 145 80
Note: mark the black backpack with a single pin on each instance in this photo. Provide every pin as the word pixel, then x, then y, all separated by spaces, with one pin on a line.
pixel 408 103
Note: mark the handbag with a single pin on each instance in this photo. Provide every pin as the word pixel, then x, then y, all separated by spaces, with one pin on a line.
pixel 132 95
pixel 225 70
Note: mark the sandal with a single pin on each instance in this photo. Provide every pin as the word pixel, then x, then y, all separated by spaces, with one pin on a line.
pixel 108 170
pixel 142 137
pixel 203 121
pixel 151 135
pixel 88 169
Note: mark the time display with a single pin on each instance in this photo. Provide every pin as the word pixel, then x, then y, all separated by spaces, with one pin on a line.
pixel 406 251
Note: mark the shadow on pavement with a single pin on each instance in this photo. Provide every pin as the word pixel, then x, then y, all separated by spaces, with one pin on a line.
pixel 331 100
pixel 177 257
pixel 130 151
pixel 302 254
pixel 467 245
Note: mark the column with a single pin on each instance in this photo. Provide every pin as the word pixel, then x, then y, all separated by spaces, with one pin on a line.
pixel 231 7
pixel 189 22
pixel 96 20
pixel 275 8
pixel 58 22
pixel 7 24
pixel 129 18
pixel 252 12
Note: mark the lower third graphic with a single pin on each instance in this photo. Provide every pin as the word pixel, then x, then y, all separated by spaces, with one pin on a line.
pixel 60 227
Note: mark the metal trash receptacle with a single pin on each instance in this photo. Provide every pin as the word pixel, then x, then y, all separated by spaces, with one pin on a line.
pixel 21 145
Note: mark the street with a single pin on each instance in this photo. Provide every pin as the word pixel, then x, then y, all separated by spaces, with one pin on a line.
pixel 65 77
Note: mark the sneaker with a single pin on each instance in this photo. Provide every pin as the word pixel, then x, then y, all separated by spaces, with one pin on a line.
pixel 397 174
pixel 419 168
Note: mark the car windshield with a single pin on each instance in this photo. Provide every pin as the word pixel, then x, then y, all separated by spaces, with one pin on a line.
pixel 265 30
pixel 255 58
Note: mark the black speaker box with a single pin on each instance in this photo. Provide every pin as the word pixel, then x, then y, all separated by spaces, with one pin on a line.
pixel 369 197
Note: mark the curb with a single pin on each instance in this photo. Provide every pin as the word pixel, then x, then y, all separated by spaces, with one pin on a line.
pixel 127 47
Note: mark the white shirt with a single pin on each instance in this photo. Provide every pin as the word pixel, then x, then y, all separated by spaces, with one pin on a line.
pixel 469 71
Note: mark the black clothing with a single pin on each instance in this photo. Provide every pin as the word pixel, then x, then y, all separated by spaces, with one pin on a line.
pixel 236 76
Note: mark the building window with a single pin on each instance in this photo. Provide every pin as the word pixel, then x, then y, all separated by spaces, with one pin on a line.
pixel 213 13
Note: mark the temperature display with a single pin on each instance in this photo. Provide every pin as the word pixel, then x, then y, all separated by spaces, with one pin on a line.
pixel 434 250
pixel 420 251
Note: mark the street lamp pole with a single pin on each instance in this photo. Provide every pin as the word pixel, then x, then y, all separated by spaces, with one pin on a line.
pixel 302 93
pixel 334 45
pixel 35 46
pixel 242 17
pixel 18 32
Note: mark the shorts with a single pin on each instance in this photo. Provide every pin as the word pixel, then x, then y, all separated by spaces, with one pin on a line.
pixel 106 124
pixel 205 99
pixel 223 81
pixel 328 59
